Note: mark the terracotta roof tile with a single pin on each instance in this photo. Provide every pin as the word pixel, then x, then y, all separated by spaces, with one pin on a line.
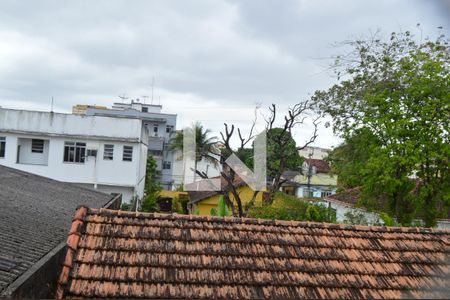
pixel 137 255
pixel 321 165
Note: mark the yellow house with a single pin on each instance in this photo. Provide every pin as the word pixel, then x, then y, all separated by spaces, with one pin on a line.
pixel 201 202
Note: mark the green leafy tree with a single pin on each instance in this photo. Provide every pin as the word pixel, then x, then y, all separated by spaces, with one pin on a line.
pixel 221 210
pixel 349 160
pixel 287 207
pixel 398 90
pixel 206 145
pixel 152 186
pixel 278 156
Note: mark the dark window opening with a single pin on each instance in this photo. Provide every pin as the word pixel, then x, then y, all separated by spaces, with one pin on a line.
pixel 37 146
pixel 108 153
pixel 74 152
pixel 2 146
pixel 127 153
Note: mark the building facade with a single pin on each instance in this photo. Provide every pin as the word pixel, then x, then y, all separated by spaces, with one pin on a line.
pixel 314 152
pixel 161 128
pixel 106 153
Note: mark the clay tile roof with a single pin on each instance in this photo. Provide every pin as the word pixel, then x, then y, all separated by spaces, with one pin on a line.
pixel 350 196
pixel 199 190
pixel 321 165
pixel 148 255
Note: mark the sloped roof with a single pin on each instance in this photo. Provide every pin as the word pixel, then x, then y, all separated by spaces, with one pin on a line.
pixel 140 255
pixel 199 190
pixel 349 196
pixel 321 165
pixel 35 215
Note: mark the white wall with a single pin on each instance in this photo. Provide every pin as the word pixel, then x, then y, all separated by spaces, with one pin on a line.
pixel 202 166
pixel 28 157
pixel 69 125
pixel 59 128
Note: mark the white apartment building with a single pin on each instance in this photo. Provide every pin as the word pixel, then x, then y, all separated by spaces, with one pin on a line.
pixel 181 175
pixel 314 152
pixel 106 153
pixel 161 128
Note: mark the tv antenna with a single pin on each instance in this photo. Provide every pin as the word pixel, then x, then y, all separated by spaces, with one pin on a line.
pixel 145 97
pixel 123 97
pixel 51 108
pixel 153 86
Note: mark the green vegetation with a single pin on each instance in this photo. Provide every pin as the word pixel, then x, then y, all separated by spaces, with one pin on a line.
pixel 221 210
pixel 152 187
pixel 286 207
pixel 392 107
pixel 291 159
pixel 206 146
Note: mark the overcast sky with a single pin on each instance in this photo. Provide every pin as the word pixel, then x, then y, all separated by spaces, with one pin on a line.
pixel 212 61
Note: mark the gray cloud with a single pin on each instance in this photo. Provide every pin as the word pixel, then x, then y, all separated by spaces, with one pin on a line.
pixel 221 55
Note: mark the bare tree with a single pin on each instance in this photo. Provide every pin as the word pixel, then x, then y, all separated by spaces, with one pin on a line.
pixel 296 116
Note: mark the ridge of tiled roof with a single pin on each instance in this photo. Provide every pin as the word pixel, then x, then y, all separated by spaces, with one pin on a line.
pixel 349 196
pixel 199 189
pixel 321 165
pixel 152 255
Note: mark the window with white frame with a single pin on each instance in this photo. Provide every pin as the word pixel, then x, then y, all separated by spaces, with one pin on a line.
pixel 169 129
pixel 127 153
pixel 108 152
pixel 324 194
pixel 37 146
pixel 2 146
pixel 167 165
pixel 74 152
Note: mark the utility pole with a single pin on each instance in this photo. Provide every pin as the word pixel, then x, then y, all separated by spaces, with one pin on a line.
pixel 310 173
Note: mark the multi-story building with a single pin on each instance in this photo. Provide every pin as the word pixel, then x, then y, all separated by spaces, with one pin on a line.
pixel 161 128
pixel 314 152
pixel 106 153
pixel 315 180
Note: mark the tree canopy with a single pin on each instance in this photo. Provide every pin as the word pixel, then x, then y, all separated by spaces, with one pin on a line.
pixel 397 91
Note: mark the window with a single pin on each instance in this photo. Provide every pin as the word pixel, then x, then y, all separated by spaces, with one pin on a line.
pixel 167 165
pixel 108 153
pixel 155 128
pixel 2 146
pixel 169 129
pixel 155 152
pixel 74 152
pixel 37 146
pixel 127 153
pixel 324 194
pixel 145 109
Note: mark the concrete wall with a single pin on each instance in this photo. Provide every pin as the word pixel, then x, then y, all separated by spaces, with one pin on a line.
pixel 342 209
pixel 156 140
pixel 302 191
pixel 69 125
pixel 19 127
pixel 202 166
pixel 26 156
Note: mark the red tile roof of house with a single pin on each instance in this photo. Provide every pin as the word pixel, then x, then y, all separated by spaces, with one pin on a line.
pixel 140 255
pixel 199 189
pixel 349 196
pixel 321 165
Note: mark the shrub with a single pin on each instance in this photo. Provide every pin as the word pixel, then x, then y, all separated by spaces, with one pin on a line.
pixel 287 207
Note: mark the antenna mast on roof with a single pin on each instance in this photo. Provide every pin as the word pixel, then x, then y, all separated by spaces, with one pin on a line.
pixel 51 108
pixel 123 97
pixel 145 98
pixel 153 85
